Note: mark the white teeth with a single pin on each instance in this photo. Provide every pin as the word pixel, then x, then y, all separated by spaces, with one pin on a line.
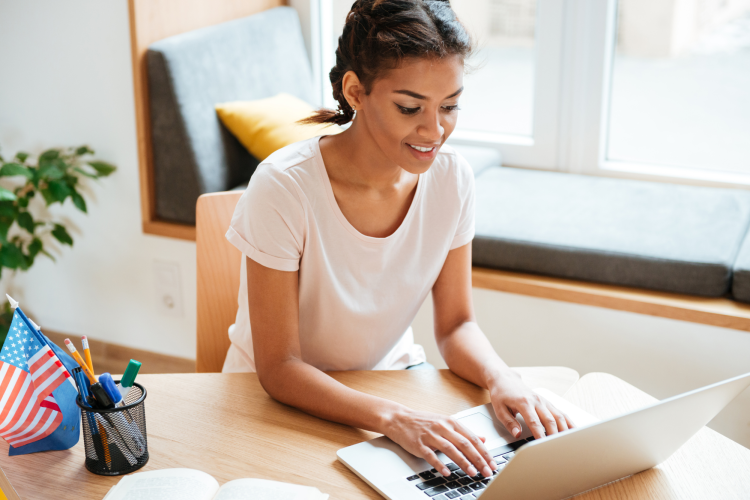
pixel 424 150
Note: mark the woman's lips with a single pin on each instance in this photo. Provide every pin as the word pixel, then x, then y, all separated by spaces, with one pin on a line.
pixel 421 154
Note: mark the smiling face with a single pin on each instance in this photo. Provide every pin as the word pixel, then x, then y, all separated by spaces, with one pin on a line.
pixel 411 110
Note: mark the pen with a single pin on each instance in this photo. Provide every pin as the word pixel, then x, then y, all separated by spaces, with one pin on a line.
pixel 76 372
pixel 101 396
pixel 93 428
pixel 80 361
pixel 87 353
pixel 126 383
pixel 128 430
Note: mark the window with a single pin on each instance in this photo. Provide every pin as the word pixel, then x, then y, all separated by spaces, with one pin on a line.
pixel 680 87
pixel 630 88
pixel 499 95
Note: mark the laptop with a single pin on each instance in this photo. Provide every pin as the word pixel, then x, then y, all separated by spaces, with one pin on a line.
pixel 558 466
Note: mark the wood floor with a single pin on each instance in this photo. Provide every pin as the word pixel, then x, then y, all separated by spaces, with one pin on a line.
pixel 113 358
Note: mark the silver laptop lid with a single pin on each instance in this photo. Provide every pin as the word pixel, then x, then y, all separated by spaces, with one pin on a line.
pixel 574 461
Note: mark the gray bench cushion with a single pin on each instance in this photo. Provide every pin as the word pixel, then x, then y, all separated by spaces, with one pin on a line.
pixel 479 157
pixel 659 236
pixel 245 59
pixel 741 276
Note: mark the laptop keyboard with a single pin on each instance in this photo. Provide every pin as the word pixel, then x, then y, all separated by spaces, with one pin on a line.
pixel 460 486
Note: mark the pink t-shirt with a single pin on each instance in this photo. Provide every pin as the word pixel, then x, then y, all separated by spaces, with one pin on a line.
pixel 357 294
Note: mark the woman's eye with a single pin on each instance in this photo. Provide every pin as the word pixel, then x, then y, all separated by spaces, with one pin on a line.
pixel 407 111
pixel 451 108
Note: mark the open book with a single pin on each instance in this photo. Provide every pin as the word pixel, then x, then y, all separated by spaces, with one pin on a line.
pixel 190 484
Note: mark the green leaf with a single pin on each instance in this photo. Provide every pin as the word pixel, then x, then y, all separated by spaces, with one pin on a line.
pixel 58 190
pixel 78 201
pixel 61 235
pixel 21 156
pixel 50 171
pixel 8 210
pixel 11 169
pixel 48 198
pixel 23 202
pixel 52 257
pixel 102 168
pixel 26 221
pixel 84 173
pixel 84 150
pixel 6 195
pixel 4 227
pixel 12 257
pixel 35 247
pixel 50 154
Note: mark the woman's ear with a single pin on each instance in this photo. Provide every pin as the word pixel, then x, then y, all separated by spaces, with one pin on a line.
pixel 352 89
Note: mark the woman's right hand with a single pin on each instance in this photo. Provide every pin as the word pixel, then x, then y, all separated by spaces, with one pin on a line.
pixel 421 433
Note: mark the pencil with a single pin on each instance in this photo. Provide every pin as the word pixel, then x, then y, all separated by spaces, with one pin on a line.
pixel 80 361
pixel 87 353
pixel 105 444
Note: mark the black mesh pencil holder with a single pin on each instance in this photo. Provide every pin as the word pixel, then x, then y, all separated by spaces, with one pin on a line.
pixel 115 439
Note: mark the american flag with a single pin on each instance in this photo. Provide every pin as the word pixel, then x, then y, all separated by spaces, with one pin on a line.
pixel 29 373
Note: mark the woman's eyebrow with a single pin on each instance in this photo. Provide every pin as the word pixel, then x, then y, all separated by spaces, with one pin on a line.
pixel 420 96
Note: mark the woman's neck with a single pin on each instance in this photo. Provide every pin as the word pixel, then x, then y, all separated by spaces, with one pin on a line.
pixel 354 158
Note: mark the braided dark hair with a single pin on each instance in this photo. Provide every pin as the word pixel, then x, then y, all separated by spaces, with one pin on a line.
pixel 379 34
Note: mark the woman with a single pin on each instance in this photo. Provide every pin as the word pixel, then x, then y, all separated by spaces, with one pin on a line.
pixel 345 235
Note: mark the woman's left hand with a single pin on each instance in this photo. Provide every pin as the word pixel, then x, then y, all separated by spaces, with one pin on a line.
pixel 510 396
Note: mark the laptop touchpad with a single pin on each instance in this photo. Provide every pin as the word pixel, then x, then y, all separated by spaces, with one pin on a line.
pixel 483 425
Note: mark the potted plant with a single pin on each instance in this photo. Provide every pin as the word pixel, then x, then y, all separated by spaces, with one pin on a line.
pixel 26 230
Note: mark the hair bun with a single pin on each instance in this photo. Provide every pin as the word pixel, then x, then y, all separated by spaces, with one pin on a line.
pixel 379 34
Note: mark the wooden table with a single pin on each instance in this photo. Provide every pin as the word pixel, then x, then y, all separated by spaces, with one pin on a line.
pixel 226 425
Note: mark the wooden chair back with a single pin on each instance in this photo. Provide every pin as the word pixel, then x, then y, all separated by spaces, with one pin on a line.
pixel 218 270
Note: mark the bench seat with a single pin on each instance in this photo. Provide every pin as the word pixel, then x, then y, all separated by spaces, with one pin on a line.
pixel 656 236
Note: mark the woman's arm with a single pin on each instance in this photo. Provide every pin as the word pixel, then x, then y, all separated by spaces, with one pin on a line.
pixel 470 355
pixel 273 298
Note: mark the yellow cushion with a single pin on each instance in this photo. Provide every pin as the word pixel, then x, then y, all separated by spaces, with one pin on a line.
pixel 267 125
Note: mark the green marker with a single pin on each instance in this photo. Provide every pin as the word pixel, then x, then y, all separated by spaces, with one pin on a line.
pixel 126 383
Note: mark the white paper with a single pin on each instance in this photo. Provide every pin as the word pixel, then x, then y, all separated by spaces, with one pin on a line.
pixel 167 484
pixel 261 489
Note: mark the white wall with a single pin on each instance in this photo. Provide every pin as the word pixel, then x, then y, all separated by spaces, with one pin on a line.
pixel 660 356
pixel 66 81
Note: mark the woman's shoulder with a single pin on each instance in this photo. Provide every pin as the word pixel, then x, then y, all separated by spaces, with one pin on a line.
pixel 289 168
pixel 450 165
pixel 297 155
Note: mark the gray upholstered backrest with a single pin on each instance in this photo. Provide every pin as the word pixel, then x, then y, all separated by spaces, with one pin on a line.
pixel 245 59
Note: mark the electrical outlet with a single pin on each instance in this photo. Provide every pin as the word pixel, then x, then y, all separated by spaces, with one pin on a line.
pixel 168 288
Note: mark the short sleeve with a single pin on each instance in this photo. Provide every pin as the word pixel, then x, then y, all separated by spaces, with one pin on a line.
pixel 465 229
pixel 268 223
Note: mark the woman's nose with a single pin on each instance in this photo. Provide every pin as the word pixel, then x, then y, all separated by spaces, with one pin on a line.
pixel 431 128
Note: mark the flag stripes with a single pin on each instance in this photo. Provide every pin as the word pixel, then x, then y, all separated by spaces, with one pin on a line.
pixel 28 411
